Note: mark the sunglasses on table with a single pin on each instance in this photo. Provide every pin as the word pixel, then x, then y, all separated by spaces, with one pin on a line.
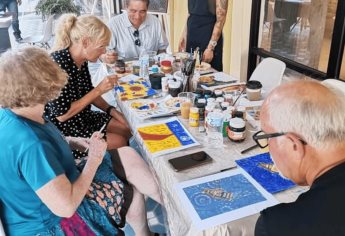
pixel 137 41
pixel 261 138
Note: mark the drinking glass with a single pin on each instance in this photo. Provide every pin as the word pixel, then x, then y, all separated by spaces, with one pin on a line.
pixel 186 102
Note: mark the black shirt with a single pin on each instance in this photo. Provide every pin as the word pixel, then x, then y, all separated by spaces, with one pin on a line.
pixel 318 212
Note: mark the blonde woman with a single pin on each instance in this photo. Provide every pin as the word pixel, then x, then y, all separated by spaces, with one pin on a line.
pixel 41 190
pixel 79 40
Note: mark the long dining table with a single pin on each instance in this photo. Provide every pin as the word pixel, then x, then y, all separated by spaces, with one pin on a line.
pixel 177 217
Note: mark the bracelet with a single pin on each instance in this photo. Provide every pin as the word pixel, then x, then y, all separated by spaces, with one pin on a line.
pixel 109 109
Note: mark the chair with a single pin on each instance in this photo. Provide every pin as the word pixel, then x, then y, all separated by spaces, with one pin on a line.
pixel 44 38
pixel 337 84
pixel 270 73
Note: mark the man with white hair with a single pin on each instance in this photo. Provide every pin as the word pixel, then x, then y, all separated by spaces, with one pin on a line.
pixel 303 123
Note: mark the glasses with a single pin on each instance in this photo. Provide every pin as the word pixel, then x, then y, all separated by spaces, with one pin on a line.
pixel 261 138
pixel 137 40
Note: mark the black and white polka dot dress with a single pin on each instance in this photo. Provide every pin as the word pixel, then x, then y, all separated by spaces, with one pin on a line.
pixel 79 84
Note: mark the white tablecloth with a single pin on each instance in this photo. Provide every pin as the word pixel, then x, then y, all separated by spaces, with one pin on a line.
pixel 177 218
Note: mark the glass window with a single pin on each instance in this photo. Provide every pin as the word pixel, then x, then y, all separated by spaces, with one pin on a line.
pixel 300 30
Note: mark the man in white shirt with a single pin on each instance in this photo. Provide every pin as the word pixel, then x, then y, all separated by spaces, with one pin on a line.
pixel 134 31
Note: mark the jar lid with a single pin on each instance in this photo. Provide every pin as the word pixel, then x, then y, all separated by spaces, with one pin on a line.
pixel 211 100
pixel 173 84
pixel 225 104
pixel 254 84
pixel 166 63
pixel 194 110
pixel 237 123
pixel 218 92
pixel 202 100
pixel 238 114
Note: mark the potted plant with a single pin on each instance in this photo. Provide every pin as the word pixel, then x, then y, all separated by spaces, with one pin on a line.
pixel 56 7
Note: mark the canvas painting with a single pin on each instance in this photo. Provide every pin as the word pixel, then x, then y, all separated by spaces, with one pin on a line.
pixel 166 136
pixel 262 169
pixel 133 89
pixel 223 197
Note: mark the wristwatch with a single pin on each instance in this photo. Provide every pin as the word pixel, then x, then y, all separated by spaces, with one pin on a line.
pixel 213 43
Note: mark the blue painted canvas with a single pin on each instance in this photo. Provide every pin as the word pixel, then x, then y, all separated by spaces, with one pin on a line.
pixel 180 133
pixel 261 168
pixel 223 195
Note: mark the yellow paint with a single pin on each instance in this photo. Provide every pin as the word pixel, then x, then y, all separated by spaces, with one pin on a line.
pixel 153 146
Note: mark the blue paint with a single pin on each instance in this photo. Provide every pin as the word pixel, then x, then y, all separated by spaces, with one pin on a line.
pixel 177 129
pixel 243 194
pixel 271 181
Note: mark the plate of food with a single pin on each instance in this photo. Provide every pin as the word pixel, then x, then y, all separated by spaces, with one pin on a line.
pixel 143 105
pixel 203 66
pixel 207 80
pixel 173 103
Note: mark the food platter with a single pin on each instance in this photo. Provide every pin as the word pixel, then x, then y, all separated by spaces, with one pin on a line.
pixel 203 66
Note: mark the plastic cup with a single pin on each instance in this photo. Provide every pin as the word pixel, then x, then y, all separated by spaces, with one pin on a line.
pixel 186 101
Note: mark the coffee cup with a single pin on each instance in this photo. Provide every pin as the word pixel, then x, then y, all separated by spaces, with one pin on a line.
pixel 156 80
pixel 253 90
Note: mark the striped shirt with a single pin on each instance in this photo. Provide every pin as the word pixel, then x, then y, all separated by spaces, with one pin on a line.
pixel 151 35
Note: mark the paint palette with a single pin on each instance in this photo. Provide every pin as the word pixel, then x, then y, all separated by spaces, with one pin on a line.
pixel 173 102
pixel 143 105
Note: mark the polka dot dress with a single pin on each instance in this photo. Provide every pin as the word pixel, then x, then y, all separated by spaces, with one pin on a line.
pixel 78 85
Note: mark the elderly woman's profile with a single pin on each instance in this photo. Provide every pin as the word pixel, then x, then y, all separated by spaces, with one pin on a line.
pixel 41 190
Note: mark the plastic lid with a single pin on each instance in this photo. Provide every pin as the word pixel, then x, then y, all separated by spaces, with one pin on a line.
pixel 254 84
pixel 237 123
pixel 166 63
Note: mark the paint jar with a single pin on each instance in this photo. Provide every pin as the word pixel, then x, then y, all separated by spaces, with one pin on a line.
pixel 236 130
pixel 253 90
pixel 194 117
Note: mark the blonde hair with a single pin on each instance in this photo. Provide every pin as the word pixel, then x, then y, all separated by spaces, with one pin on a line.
pixel 72 29
pixel 28 77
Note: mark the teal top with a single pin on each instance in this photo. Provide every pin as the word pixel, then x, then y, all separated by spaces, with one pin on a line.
pixel 32 154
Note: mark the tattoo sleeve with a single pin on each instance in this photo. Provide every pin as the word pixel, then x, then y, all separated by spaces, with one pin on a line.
pixel 221 10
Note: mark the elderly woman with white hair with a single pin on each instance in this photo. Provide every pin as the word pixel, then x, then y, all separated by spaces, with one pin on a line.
pixel 41 190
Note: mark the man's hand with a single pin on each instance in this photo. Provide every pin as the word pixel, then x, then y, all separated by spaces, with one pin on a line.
pixel 208 55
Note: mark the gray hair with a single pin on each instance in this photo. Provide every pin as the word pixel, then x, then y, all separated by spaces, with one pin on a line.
pixel 28 76
pixel 146 1
pixel 318 118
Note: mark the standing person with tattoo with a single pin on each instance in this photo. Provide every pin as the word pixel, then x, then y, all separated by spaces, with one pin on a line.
pixel 204 30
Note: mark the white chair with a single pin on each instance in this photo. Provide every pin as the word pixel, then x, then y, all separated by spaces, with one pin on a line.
pixel 337 84
pixel 2 231
pixel 43 39
pixel 269 72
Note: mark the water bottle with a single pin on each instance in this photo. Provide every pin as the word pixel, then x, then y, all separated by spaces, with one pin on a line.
pixel 144 66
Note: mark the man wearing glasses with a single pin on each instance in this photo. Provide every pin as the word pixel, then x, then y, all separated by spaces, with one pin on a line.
pixel 134 31
pixel 303 123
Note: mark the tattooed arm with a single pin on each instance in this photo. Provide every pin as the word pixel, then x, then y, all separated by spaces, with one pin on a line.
pixel 221 10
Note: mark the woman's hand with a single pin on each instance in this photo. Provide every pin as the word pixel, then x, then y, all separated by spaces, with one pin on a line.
pixel 97 147
pixel 107 84
pixel 208 55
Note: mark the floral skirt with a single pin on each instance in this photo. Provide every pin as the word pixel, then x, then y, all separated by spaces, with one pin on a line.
pixel 103 210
